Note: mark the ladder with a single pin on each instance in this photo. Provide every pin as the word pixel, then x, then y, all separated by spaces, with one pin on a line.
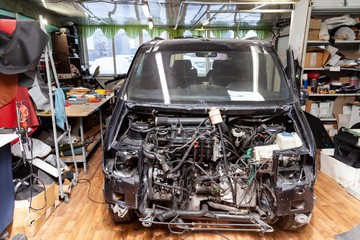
pixel 51 72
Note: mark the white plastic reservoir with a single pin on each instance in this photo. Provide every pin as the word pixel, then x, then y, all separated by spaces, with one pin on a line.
pixel 286 140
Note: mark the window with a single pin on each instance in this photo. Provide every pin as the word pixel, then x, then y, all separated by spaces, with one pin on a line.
pixel 233 75
pixel 125 49
pixel 100 53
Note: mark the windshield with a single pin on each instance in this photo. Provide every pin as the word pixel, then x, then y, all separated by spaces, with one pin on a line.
pixel 250 74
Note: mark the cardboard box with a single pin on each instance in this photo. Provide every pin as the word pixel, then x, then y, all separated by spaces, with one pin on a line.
pixel 29 221
pixel 313 34
pixel 344 80
pixel 316 57
pixel 315 24
pixel 339 171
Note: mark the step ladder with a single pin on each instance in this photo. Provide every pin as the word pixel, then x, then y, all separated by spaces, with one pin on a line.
pixel 51 74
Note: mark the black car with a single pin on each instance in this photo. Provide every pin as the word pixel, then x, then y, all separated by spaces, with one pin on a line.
pixel 209 130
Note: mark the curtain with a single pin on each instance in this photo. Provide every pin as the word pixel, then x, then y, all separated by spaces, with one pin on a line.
pixel 133 31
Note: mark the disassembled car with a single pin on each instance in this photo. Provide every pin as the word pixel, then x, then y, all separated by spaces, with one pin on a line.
pixel 209 130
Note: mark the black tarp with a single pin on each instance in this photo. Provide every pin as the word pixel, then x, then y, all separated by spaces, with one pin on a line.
pixel 20 51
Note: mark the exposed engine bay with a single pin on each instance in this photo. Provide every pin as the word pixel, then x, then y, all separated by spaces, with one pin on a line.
pixel 220 167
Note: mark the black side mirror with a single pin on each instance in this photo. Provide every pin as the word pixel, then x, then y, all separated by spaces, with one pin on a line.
pixel 303 96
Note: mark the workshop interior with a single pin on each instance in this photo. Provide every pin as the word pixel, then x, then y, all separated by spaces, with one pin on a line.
pixel 179 119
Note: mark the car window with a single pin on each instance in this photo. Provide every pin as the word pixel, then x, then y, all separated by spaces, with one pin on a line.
pixel 250 75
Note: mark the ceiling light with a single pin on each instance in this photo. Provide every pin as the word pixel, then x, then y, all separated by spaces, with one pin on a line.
pixel 206 22
pixel 44 21
pixel 146 10
pixel 151 24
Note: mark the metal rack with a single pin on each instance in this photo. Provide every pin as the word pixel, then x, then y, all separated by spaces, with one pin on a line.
pixel 51 74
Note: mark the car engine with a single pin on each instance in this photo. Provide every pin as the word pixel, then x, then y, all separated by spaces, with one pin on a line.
pixel 191 166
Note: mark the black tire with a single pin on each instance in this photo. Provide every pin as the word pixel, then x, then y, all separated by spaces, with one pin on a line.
pixel 288 223
pixel 129 216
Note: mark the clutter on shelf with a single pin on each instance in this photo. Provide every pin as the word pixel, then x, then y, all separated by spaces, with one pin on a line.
pixel 335 28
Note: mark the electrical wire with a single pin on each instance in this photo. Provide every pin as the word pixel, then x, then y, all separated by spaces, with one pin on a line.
pixel 88 180
pixel 88 192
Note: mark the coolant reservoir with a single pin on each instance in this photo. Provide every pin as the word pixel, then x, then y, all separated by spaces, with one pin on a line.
pixel 286 140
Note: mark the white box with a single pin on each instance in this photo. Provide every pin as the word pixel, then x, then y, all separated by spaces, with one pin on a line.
pixel 344 120
pixel 355 115
pixel 315 112
pixel 327 3
pixel 339 171
pixel 352 3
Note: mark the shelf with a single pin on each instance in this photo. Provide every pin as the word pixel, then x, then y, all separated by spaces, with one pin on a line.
pixel 318 10
pixel 334 95
pixel 89 149
pixel 328 119
pixel 329 69
pixel 336 42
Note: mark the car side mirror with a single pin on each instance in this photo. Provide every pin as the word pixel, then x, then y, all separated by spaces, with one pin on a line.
pixel 303 96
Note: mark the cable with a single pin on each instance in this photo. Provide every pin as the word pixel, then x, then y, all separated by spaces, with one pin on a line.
pixel 172 187
pixel 193 233
pixel 226 165
pixel 122 231
pixel 88 192
pixel 37 209
pixel 84 180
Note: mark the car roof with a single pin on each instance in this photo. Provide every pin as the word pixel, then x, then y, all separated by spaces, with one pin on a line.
pixel 203 44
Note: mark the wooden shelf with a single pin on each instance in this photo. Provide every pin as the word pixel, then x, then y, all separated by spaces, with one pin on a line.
pixel 89 149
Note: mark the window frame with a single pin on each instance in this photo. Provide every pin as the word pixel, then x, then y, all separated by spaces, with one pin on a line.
pixel 85 55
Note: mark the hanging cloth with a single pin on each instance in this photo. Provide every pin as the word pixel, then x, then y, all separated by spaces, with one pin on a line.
pixel 60 108
pixel 21 45
pixel 8 88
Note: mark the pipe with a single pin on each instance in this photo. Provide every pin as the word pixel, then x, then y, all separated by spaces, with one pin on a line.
pixel 227 208
pixel 183 213
pixel 166 121
pixel 181 8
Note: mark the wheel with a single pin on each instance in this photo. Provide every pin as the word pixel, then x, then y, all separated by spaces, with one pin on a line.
pixel 288 223
pixel 129 216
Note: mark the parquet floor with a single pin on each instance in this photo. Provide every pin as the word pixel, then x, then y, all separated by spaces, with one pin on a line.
pixel 335 212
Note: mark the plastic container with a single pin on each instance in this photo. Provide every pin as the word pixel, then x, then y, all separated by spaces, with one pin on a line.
pixel 215 116
pixel 354 80
pixel 264 152
pixel 286 140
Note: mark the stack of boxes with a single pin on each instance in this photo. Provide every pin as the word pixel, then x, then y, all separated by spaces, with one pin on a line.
pixel 314 29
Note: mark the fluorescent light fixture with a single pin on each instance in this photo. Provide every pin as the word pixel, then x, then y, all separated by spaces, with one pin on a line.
pixel 146 10
pixel 43 2
pixel 150 23
pixel 206 22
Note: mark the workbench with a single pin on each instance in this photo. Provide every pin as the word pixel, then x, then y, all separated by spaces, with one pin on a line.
pixel 80 111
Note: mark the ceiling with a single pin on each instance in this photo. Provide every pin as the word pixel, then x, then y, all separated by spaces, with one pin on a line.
pixel 169 13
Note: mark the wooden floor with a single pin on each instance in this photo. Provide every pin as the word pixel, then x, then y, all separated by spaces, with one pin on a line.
pixel 335 212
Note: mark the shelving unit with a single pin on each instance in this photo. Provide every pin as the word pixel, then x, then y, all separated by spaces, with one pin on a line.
pixel 333 72
pixel 66 53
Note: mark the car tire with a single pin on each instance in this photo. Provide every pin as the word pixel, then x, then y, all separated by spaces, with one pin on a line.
pixel 129 216
pixel 288 223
